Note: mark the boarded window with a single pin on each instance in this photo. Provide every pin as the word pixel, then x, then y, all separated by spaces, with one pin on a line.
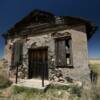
pixel 69 59
pixel 60 53
pixel 63 52
pixel 17 53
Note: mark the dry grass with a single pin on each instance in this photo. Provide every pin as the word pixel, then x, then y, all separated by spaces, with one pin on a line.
pixel 53 93
pixel 1 67
pixel 91 94
pixel 4 81
pixel 94 92
pixel 23 93
pixel 94 61
pixel 95 66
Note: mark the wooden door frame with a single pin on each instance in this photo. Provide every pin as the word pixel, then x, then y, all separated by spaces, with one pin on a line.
pixel 38 48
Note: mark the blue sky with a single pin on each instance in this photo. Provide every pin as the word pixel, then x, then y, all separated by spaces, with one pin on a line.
pixel 11 11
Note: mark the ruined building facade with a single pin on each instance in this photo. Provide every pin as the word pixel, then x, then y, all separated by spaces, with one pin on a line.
pixel 54 47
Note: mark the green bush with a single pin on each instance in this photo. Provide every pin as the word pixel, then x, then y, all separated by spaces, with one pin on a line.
pixel 59 87
pixel 25 93
pixel 54 92
pixel 76 90
pixel 20 89
pixel 73 89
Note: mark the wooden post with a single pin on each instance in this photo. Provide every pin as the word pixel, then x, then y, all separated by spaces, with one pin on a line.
pixel 43 75
pixel 16 73
pixel 43 64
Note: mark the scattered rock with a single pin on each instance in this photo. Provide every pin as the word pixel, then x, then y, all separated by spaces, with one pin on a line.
pixel 68 79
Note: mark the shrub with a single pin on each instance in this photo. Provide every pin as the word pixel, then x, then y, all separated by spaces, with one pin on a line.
pixel 76 90
pixel 59 87
pixel 20 89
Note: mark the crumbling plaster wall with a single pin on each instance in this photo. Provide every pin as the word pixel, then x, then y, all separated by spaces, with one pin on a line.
pixel 40 41
pixel 80 70
pixel 43 40
pixel 8 56
pixel 79 53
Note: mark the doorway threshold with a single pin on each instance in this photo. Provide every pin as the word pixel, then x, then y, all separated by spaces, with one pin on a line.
pixel 32 83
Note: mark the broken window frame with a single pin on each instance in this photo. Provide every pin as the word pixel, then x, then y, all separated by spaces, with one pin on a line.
pixel 17 54
pixel 60 51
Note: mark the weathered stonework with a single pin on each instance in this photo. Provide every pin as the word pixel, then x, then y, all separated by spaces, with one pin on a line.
pixel 42 29
pixel 79 54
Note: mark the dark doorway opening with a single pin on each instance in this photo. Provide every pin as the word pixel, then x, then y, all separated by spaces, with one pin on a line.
pixel 38 63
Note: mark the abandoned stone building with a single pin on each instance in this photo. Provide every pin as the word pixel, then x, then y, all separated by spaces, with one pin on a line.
pixel 54 47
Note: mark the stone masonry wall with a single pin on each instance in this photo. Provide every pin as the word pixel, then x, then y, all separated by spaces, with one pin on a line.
pixel 40 41
pixel 80 70
pixel 79 54
pixel 44 40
